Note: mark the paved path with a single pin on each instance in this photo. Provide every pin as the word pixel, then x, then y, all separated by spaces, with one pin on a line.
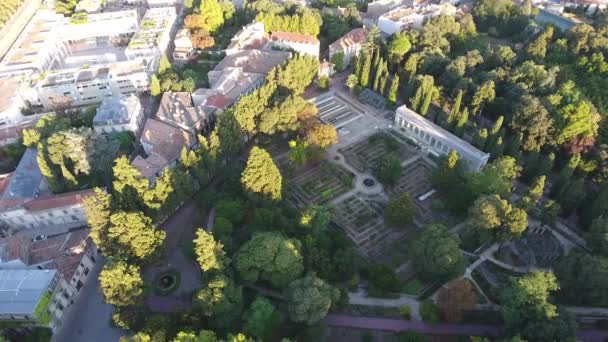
pixel 396 325
pixel 359 298
pixel 88 320
pixel 210 220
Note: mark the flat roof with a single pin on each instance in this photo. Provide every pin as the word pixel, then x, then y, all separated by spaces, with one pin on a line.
pixel 429 126
pixel 116 110
pixel 24 182
pixel 21 290
pixel 155 23
pixel 102 71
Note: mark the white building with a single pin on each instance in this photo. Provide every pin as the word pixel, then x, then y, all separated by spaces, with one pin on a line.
pixel 26 204
pixel 85 86
pixel 37 47
pixel 251 36
pixel 406 17
pixel 154 36
pixel 25 294
pixel 89 6
pixel 119 114
pixel 436 139
pixel 349 44
pixel 11 102
pixel 300 43
pixel 182 43
pixel 163 3
pixel 106 24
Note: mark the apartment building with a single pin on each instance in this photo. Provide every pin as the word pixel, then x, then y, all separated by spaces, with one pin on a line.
pixel 406 17
pixel 27 205
pixel 37 47
pixel 70 256
pixel 300 43
pixel 183 46
pixel 106 24
pixel 162 144
pixel 177 110
pixel 91 85
pixel 25 294
pixel 437 140
pixel 119 114
pixel 349 45
pixel 154 36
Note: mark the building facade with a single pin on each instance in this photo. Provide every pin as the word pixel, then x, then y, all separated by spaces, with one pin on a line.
pixel 86 86
pixel 437 140
pixel 182 51
pixel 350 45
pixel 119 114
pixel 405 17
pixel 300 43
pixel 154 36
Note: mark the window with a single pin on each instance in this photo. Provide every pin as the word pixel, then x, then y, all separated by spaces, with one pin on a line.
pixel 51 215
pixel 86 271
pixel 66 295
pixel 92 259
pixel 60 307
pixel 65 211
pixel 74 218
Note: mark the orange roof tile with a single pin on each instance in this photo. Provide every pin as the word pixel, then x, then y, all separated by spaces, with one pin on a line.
pixel 294 37
pixel 57 201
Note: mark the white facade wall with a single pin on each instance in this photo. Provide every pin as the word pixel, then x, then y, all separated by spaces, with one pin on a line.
pixel 134 125
pixel 350 52
pixel 302 48
pixel 388 26
pixel 22 219
pixel 107 24
pixel 438 140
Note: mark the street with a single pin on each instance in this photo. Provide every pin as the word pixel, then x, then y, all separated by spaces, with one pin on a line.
pixel 88 320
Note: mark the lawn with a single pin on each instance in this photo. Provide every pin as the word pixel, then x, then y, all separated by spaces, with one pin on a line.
pixel 413 287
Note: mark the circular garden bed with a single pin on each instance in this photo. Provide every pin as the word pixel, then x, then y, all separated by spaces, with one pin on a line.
pixel 166 282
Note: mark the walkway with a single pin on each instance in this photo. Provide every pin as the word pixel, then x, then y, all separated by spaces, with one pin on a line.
pixel 359 298
pixel 396 325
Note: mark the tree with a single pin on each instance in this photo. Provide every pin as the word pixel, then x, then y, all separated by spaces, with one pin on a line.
pixel 392 92
pixel 456 297
pixel 352 81
pixel 572 195
pixel 425 92
pixel 399 211
pixel 220 298
pixel 496 178
pixel 549 212
pixel 209 253
pixel 121 283
pixel 491 214
pixel 526 309
pixel 309 299
pixel 271 257
pixel 365 70
pixel 462 122
pixel 537 189
pixel 298 73
pixel 322 135
pixel 583 278
pixel 485 93
pixel 262 318
pixel 31 137
pixel 135 235
pixel 261 176
pixel 388 170
pixel 436 253
pixel 532 119
pixel 164 65
pixel 598 207
pixel 338 60
pixel 565 174
pixel 201 39
pixel 538 47
pixel 97 208
pixel 481 138
pixel 455 111
pixel 398 47
pixel 598 236
pixel 211 15
pixel 128 184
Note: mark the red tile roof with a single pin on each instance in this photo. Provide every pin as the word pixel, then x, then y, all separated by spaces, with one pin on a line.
pixel 293 37
pixel 355 36
pixel 217 101
pixel 57 201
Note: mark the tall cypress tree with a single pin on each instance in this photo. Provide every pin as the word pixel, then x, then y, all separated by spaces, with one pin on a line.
pixel 565 174
pixel 392 93
pixel 359 65
pixel 571 195
pixel 379 72
pixel 481 138
pixel 514 147
pixel 453 116
pixel 428 97
pixel 383 80
pixel 462 122
pixel 365 71
pixel 597 207
pixel 497 148
pixel 546 164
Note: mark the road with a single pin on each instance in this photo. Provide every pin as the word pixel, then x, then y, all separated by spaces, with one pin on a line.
pixel 88 320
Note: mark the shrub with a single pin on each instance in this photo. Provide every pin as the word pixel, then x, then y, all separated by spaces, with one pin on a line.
pixel 405 312
pixel 429 312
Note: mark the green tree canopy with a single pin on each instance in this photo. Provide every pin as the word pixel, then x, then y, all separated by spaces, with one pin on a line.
pixel 209 253
pixel 270 256
pixel 399 211
pixel 583 278
pixel 491 214
pixel 388 169
pixel 309 299
pixel 598 236
pixel 135 235
pixel 121 283
pixel 436 253
pixel 262 318
pixel 220 298
pixel 261 176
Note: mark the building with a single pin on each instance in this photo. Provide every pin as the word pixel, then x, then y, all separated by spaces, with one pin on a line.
pixel 27 205
pixel 15 23
pixel 106 24
pixel 406 17
pixel 69 254
pixel 12 134
pixel 25 294
pixel 89 6
pixel 249 61
pixel 251 36
pixel 163 3
pixel 162 144
pixel 154 36
pixel 91 85
pixel 183 48
pixel 11 102
pixel 119 114
pixel 177 110
pixel 300 43
pixel 436 139
pixel 349 44
pixel 37 47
